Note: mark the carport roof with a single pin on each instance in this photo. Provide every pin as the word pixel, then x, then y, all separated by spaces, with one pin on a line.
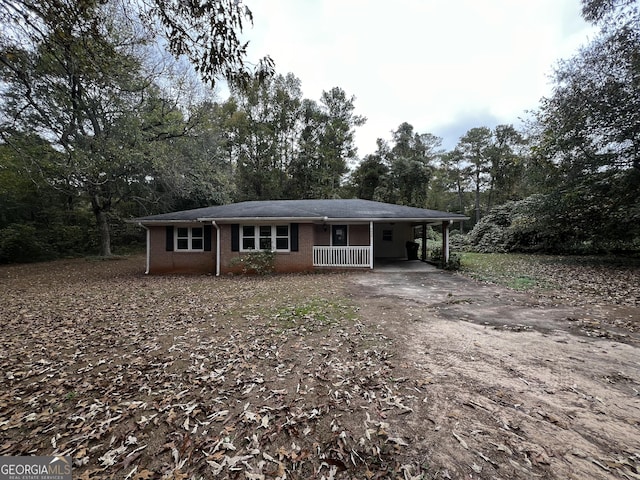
pixel 305 210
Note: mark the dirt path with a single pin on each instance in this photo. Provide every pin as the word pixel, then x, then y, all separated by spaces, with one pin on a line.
pixel 512 386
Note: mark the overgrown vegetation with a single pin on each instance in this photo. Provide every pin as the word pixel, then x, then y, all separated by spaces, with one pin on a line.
pixel 99 127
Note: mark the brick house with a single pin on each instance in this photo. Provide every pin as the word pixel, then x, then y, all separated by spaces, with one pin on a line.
pixel 304 234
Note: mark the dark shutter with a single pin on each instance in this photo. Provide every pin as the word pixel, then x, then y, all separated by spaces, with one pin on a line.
pixel 169 245
pixel 207 238
pixel 294 237
pixel 235 237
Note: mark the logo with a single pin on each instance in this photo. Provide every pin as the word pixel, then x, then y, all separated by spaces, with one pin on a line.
pixel 35 468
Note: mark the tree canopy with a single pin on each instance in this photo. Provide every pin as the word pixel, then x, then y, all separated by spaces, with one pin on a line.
pixel 106 115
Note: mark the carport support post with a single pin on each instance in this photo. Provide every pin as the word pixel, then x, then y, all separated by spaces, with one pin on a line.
pixel 371 245
pixel 445 242
pixel 424 242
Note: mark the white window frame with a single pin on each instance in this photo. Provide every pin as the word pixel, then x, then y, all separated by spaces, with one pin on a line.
pixel 190 238
pixel 274 237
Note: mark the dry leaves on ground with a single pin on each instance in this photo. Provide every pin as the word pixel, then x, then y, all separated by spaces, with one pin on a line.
pixel 187 377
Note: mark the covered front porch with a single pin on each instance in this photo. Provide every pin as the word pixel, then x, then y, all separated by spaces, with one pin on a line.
pixel 387 243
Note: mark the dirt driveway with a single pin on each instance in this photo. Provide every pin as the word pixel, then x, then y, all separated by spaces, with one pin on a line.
pixel 511 385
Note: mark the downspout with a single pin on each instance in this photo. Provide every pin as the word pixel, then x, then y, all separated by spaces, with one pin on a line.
pixel 148 248
pixel 213 222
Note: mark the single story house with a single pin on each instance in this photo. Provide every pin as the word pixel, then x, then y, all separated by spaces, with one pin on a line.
pixel 304 234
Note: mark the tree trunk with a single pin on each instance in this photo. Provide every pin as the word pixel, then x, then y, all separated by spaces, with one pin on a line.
pixel 105 234
pixel 103 227
pixel 461 203
pixel 477 197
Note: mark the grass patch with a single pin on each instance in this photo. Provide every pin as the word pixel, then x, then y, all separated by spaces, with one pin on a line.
pixel 516 271
pixel 313 315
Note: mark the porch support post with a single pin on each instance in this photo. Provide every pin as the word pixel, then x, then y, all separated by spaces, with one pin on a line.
pixel 371 245
pixel 217 227
pixel 424 242
pixel 445 242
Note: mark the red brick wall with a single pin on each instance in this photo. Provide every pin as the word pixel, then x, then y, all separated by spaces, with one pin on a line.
pixel 358 235
pixel 299 261
pixel 161 261
pixel 322 234
pixel 309 235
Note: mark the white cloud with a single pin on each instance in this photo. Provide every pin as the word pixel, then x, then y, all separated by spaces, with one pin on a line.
pixel 432 63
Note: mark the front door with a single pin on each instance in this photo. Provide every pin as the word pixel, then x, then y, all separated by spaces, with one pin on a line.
pixel 339 235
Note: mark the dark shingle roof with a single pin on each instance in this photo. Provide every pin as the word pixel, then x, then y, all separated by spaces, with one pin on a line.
pixel 353 209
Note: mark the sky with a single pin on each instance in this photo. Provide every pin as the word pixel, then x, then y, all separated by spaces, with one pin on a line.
pixel 444 66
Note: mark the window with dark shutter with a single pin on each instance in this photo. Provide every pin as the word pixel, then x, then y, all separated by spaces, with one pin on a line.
pixel 169 241
pixel 207 238
pixel 235 237
pixel 294 237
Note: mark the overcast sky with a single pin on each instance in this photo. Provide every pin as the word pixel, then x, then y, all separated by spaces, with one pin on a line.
pixel 444 66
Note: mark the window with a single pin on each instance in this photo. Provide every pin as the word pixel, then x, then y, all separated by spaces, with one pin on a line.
pixel 190 238
pixel 265 237
pixel 387 235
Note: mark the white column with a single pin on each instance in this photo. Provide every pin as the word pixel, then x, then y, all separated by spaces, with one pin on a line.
pixel 217 227
pixel 148 250
pixel 445 242
pixel 371 245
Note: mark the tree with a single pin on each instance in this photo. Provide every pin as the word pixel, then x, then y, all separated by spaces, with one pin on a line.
pixel 411 167
pixel 368 176
pixel 609 12
pixel 207 33
pixel 193 170
pixel 74 73
pixel 265 131
pixel 475 148
pixel 452 164
pixel 326 147
pixel 83 89
pixel 507 166
pixel 590 129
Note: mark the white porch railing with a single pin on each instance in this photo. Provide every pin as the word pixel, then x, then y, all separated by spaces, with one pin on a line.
pixel 342 256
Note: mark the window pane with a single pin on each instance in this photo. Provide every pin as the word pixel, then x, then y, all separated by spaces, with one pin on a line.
pixel 183 232
pixel 196 244
pixel 248 243
pixel 282 243
pixel 183 244
pixel 265 230
pixel 248 231
pixel 196 232
pixel 265 243
pixel 282 230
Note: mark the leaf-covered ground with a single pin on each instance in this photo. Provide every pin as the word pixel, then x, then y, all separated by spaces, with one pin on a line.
pixel 572 280
pixel 193 376
pixel 306 376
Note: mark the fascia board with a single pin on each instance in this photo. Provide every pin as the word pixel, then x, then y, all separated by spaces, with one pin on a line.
pixel 261 219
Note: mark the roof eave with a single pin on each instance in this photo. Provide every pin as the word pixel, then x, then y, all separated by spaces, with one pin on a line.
pixel 397 219
pixel 260 219
pixel 299 219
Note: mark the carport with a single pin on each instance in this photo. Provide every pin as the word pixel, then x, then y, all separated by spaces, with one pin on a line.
pixel 390 239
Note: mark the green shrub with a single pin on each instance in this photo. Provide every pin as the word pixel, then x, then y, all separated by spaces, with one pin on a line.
pixel 260 262
pixel 21 243
pixel 512 227
pixel 453 263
